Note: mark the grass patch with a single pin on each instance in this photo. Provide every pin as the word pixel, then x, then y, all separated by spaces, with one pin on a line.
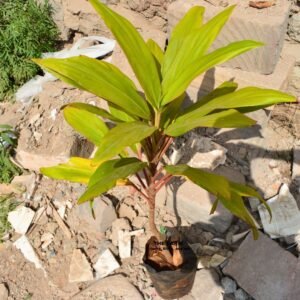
pixel 26 31
pixel 7 204
pixel 8 141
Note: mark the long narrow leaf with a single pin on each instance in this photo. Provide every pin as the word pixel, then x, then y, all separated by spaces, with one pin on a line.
pixel 175 84
pixel 86 123
pixel 230 118
pixel 188 50
pixel 192 20
pixel 107 175
pixel 135 49
pixel 100 78
pixel 77 169
pixel 122 136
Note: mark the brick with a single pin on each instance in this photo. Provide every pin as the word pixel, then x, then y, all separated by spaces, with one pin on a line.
pixel 267 25
pixel 263 269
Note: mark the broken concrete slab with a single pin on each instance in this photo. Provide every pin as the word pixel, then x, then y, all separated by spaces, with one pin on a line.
pixel 262 268
pixel 285 215
pixel 104 211
pixel 268 26
pixel 116 286
pixel 21 218
pixel 105 264
pixel 80 269
pixel 207 286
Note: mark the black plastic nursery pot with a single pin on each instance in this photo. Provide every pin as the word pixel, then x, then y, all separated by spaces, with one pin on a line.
pixel 174 284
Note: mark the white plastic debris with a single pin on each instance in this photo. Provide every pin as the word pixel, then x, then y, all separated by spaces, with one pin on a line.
pixel 285 215
pixel 105 264
pixel 34 86
pixel 25 247
pixel 20 219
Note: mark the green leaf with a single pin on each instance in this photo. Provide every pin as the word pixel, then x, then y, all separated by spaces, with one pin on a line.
pixel 237 207
pixel 121 136
pixel 172 110
pixel 107 175
pixel 77 169
pixel 135 49
pixel 94 110
pixel 225 88
pixel 156 51
pixel 192 20
pixel 86 123
pixel 229 193
pixel 100 78
pixel 246 191
pixel 176 82
pixel 215 184
pixel 246 97
pixel 230 118
pixel 120 114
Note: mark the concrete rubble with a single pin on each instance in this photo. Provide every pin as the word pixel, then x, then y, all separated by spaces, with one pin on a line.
pixel 262 267
pixel 21 218
pixel 105 264
pixel 285 215
pixel 23 244
pixel 80 269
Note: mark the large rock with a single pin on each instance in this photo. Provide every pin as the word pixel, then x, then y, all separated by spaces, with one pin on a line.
pixel 3 292
pixel 193 204
pixel 267 25
pixel 263 269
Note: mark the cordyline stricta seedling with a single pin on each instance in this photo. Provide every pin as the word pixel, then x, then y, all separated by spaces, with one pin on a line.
pixel 147 124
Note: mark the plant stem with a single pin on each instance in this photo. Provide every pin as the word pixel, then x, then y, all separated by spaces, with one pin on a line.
pixel 152 225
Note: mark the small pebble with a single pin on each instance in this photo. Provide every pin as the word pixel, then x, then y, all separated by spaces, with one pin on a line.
pixel 229 285
pixel 241 295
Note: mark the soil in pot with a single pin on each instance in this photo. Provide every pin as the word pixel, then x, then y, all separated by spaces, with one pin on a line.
pixel 172 276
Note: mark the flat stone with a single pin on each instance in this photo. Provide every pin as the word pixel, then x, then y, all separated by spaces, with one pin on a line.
pixel 116 286
pixel 3 292
pixel 263 269
pixel 80 269
pixel 104 211
pixel 294 27
pixel 267 25
pixel 126 211
pixel 207 286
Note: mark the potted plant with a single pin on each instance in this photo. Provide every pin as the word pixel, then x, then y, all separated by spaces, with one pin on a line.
pixel 142 127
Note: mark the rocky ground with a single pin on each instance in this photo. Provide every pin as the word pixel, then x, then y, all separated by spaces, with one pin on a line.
pixel 59 251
